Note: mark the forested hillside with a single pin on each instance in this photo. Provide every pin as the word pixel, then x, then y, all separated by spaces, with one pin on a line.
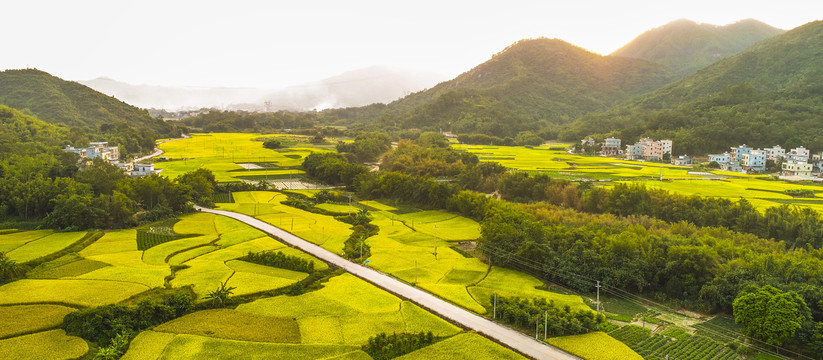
pixel 530 85
pixel 769 94
pixel 685 46
pixel 90 115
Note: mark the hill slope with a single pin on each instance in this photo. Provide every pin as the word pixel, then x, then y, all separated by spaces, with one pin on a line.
pixel 528 86
pixel 21 134
pixel 685 46
pixel 769 94
pixel 63 102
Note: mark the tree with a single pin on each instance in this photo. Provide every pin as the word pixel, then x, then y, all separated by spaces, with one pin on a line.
pixel 220 296
pixel 272 144
pixel 769 313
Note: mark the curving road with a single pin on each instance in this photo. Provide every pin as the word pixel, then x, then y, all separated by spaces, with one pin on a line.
pixel 513 339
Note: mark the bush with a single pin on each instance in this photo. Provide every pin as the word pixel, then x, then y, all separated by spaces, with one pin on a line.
pixel 9 269
pixel 384 347
pixel 103 324
pixel 280 260
pixel 272 144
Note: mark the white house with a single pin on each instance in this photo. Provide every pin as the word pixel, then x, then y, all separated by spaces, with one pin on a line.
pixel 634 152
pixel 800 154
pixel 610 147
pixel 721 159
pixel 774 153
pixel 142 169
pixel 738 152
pixel 755 161
pixel 797 168
pixel 682 160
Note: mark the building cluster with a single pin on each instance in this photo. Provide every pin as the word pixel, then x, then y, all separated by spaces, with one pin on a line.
pixel 112 155
pixel 644 149
pixel 797 162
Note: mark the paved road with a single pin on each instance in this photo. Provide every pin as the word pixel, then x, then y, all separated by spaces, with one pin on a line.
pixel 513 339
pixel 157 151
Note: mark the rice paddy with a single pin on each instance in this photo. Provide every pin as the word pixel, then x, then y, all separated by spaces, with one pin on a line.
pixel 40 246
pixel 347 311
pixel 26 319
pixel 595 345
pixel 223 153
pixel 235 325
pixel 52 344
pixel 463 346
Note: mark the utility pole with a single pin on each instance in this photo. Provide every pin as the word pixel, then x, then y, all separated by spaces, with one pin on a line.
pixel 415 273
pixel 292 226
pixel 349 204
pixel 536 327
pixel 361 248
pixel 598 301
pixel 494 314
pixel 546 326
pixel 435 242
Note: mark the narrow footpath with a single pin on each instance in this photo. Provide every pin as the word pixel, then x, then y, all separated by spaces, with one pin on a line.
pixel 513 339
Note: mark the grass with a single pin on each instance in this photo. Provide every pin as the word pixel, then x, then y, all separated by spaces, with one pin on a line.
pixel 112 242
pixel 26 319
pixel 348 310
pixel 378 206
pixel 221 153
pixel 595 345
pixel 73 292
pixel 9 242
pixel 463 346
pixel 193 347
pixel 235 325
pixel 510 283
pixel 44 246
pixel 65 266
pixel 148 345
pixel 53 344
pixel 719 324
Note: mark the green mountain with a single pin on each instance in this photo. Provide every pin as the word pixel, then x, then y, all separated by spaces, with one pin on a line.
pixel 685 46
pixel 81 109
pixel 21 134
pixel 531 85
pixel 769 94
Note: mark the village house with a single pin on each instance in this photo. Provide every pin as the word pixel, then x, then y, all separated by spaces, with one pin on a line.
pixel 775 153
pixel 611 147
pixel 799 154
pixel 682 160
pixel 754 161
pixel 797 168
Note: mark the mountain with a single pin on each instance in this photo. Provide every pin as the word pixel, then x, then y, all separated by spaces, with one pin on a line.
pixel 89 114
pixel 21 134
pixel 530 85
pixel 769 94
pixel 685 46
pixel 360 87
pixel 172 97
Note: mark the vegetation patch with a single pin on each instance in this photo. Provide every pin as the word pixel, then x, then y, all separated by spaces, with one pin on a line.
pixel 66 266
pixel 148 345
pixel 280 260
pixel 385 347
pixel 184 347
pixel 75 292
pixel 44 246
pixel 595 345
pixel 53 344
pixel 25 319
pixel 235 325
pixel 464 346
pixel 11 241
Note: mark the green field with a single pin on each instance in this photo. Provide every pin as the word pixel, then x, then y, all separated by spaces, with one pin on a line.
pixel 40 246
pixel 52 344
pixel 347 311
pixel 404 248
pixel 595 345
pixel 222 153
pixel 559 163
pixel 235 325
pixel 760 190
pixel 463 346
pixel 25 319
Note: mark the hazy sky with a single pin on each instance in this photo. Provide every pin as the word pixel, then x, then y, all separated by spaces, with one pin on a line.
pixel 272 44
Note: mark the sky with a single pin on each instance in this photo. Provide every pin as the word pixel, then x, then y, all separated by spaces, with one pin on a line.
pixel 273 44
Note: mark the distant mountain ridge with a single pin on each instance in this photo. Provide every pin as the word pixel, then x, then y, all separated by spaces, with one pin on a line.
pixel 685 46
pixel 769 94
pixel 375 84
pixel 89 114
